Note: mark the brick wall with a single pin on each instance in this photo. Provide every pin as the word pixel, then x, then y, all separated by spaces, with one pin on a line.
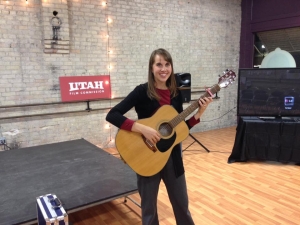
pixel 203 37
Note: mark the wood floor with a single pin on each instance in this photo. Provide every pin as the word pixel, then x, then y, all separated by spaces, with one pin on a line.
pixel 262 193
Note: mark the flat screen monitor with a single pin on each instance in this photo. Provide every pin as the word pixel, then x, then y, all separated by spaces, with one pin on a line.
pixel 270 92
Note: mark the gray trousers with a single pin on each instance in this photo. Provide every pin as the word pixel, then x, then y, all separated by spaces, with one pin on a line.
pixel 177 191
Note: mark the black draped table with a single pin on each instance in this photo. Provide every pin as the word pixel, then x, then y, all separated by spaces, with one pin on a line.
pixel 271 140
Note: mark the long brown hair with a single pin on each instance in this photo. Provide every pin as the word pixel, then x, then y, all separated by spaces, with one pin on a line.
pixel 171 82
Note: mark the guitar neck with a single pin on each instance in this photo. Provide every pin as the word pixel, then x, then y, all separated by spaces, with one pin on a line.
pixel 185 113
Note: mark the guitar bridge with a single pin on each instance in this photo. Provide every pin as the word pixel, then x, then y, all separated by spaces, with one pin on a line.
pixel 149 144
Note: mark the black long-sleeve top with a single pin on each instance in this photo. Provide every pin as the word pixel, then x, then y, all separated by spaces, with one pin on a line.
pixel 145 108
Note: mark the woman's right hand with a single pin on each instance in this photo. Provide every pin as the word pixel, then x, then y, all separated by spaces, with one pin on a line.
pixel 148 132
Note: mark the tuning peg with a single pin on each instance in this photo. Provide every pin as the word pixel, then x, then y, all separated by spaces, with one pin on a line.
pixel 219 75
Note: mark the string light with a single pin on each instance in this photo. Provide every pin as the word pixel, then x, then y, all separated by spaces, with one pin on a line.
pixel 26 1
pixel 105 36
pixel 109 67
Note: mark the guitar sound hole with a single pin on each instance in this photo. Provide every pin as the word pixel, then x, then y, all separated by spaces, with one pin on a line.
pixel 165 129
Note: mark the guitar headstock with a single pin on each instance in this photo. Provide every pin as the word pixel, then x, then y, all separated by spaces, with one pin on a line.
pixel 227 78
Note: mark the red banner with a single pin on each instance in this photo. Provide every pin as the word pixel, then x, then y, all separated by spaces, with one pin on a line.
pixel 78 88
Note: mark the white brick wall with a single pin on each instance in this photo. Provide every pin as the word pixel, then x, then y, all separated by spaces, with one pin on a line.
pixel 202 36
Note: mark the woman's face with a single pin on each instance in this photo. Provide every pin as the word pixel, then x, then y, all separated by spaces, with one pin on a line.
pixel 161 70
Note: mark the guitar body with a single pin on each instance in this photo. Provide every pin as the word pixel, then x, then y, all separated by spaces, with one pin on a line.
pixel 148 160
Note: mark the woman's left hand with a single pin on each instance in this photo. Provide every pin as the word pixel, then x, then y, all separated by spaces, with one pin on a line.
pixel 203 103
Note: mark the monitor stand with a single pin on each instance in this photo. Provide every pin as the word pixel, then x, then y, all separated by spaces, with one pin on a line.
pixel 267 117
pixel 277 118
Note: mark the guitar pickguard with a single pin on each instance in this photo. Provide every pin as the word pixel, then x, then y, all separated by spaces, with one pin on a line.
pixel 165 144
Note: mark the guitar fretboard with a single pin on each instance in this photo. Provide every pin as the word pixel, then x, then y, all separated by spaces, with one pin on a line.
pixel 180 117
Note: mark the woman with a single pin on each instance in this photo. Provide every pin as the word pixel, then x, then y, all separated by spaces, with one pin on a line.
pixel 161 89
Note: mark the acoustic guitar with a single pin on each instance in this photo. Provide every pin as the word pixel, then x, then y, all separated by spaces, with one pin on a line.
pixel 147 159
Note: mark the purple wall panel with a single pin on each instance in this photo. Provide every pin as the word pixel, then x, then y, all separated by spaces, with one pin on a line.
pixel 274 9
pixel 246 40
pixel 263 15
pixel 276 24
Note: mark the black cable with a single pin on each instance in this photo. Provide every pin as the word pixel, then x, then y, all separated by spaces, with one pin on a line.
pixel 210 121
pixel 219 117
pixel 204 152
pixel 221 152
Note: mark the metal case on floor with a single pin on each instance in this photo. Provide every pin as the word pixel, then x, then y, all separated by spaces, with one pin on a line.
pixel 50 211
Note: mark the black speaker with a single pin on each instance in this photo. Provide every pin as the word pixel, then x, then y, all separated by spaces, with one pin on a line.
pixel 183 81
